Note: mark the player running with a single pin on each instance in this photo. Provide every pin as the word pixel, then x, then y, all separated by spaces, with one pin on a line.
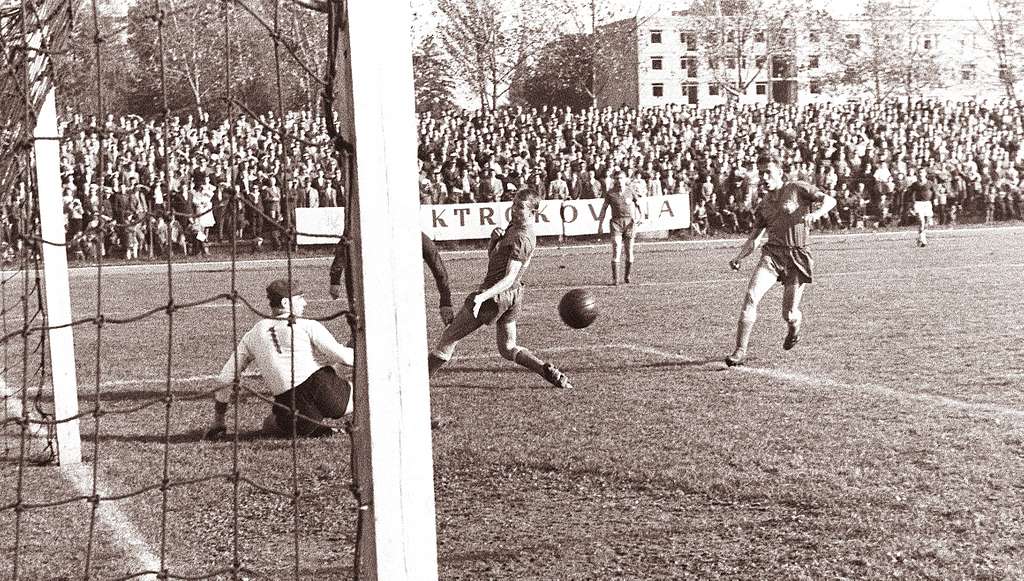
pixel 921 193
pixel 500 295
pixel 622 199
pixel 785 215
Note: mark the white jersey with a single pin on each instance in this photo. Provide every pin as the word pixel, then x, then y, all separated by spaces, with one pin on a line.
pixel 271 346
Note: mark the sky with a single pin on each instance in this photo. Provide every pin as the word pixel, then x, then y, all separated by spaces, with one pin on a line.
pixel 956 9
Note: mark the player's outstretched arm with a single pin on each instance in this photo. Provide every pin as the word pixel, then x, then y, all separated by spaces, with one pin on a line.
pixel 827 204
pixel 324 342
pixel 433 259
pixel 752 243
pixel 218 426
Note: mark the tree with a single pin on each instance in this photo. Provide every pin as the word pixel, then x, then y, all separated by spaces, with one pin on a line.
pixel 892 51
pixel 490 43
pixel 1003 29
pixel 743 40
pixel 435 88
pixel 604 26
pixel 562 75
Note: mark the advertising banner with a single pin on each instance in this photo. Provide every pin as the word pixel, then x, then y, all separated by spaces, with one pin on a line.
pixel 476 221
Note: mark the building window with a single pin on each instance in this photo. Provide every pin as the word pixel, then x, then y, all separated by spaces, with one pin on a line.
pixel 969 72
pixel 930 42
pixel 814 37
pixel 655 37
pixel 813 62
pixel 759 36
pixel 713 89
pixel 1005 74
pixel 853 41
pixel 730 63
pixel 656 63
pixel 658 90
pixel 688 40
pixel 815 86
pixel 761 88
pixel 690 92
pixel 760 62
pixel 688 64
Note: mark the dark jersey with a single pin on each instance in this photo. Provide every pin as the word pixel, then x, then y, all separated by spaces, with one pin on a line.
pixel 517 243
pixel 782 212
pixel 921 191
pixel 619 201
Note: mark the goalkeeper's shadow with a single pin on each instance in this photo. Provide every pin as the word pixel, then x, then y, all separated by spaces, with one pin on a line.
pixel 189 437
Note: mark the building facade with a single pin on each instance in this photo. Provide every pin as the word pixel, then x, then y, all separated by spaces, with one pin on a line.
pixel 659 61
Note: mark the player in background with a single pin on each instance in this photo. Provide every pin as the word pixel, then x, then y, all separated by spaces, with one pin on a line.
pixel 278 346
pixel 430 255
pixel 626 210
pixel 921 193
pixel 500 296
pixel 783 217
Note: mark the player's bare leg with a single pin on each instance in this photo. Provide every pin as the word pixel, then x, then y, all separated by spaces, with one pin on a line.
pixel 616 253
pixel 629 257
pixel 463 325
pixel 522 356
pixel 791 296
pixel 762 280
pixel 922 224
pixel 616 256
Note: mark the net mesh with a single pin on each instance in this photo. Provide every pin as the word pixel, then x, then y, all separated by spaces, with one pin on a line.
pixel 153 499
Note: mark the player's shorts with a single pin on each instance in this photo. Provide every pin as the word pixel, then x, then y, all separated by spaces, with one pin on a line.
pixel 502 308
pixel 323 395
pixel 622 226
pixel 924 209
pixel 790 265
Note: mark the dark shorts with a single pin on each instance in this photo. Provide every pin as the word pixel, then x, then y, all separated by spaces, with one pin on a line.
pixel 502 308
pixel 323 395
pixel 791 265
pixel 622 226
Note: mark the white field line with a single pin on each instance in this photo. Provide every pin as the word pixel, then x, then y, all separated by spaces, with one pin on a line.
pixel 808 380
pixel 799 378
pixel 122 531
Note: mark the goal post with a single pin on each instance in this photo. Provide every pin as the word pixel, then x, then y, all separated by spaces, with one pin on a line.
pixel 392 392
pixel 56 284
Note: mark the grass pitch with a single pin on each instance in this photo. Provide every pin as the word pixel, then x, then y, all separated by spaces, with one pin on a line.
pixel 888 443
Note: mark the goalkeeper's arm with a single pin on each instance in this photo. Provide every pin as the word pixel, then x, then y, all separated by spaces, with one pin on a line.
pixel 222 396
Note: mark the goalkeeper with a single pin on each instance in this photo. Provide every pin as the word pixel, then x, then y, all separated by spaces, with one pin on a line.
pixel 282 349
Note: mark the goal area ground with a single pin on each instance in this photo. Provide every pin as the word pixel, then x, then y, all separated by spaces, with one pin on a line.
pixel 889 442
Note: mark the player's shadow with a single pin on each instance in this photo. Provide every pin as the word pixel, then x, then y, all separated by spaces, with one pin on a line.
pixel 670 363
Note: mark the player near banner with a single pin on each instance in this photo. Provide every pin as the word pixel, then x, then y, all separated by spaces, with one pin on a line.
pixel 283 348
pixel 783 218
pixel 625 206
pixel 500 296
pixel 921 192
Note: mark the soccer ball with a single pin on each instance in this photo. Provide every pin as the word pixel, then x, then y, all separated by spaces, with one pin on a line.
pixel 578 308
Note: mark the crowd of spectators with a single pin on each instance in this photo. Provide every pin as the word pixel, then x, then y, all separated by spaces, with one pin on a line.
pixel 132 185
pixel 866 155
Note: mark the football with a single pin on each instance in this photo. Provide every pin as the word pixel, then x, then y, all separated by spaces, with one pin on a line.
pixel 578 308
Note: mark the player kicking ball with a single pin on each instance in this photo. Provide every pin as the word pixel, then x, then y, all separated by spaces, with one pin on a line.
pixel 279 345
pixel 784 216
pixel 500 296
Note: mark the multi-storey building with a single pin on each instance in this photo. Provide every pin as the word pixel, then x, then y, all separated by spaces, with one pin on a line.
pixel 659 61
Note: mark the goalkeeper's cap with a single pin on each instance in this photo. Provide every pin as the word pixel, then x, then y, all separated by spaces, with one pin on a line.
pixel 280 290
